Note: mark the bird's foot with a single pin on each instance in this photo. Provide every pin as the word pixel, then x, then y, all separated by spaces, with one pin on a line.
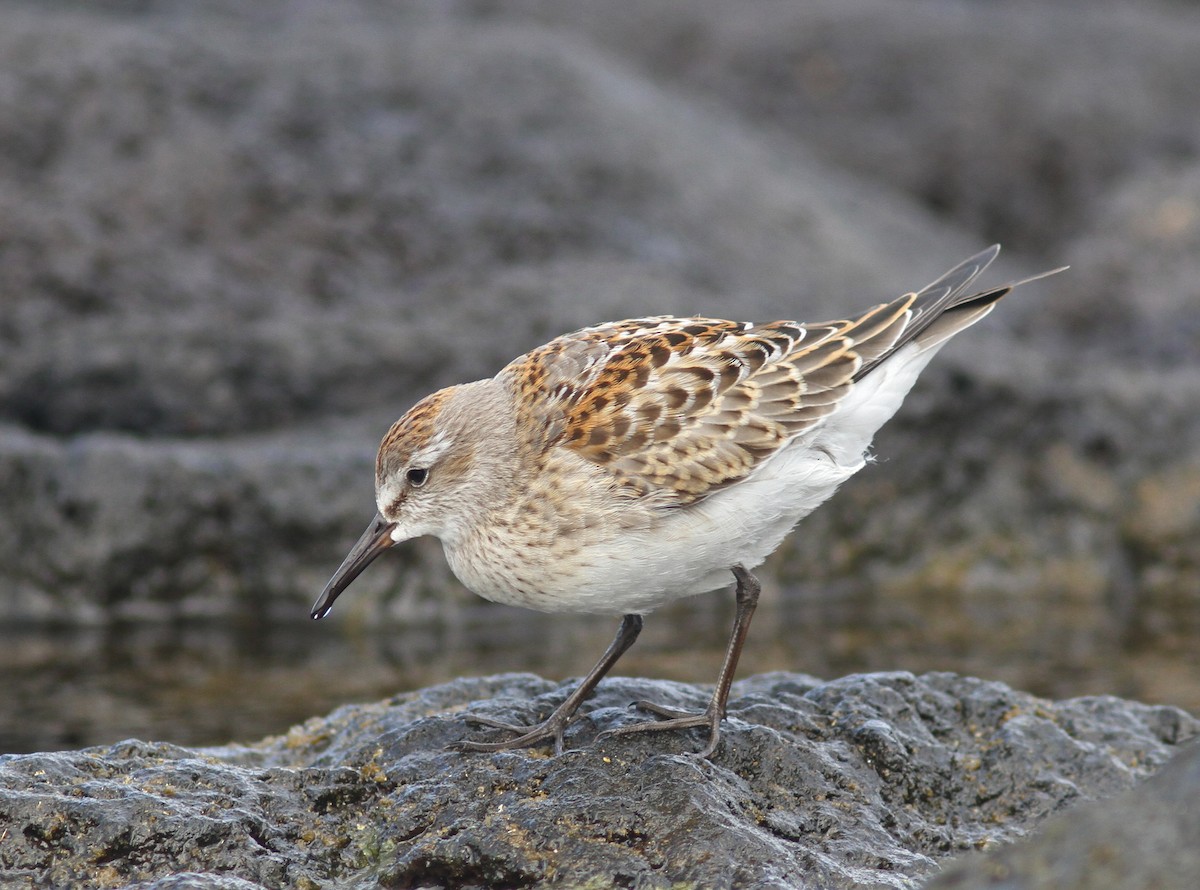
pixel 550 729
pixel 553 727
pixel 673 718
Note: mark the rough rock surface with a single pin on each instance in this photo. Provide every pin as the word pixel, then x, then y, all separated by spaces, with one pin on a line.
pixel 867 781
pixel 1146 839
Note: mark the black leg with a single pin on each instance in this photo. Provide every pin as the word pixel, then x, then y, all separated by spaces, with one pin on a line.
pixel 554 725
pixel 748 589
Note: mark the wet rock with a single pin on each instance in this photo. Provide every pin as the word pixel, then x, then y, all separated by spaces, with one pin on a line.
pixel 196 881
pixel 868 781
pixel 1145 839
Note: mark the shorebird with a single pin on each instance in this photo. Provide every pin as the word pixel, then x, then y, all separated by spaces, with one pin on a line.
pixel 625 465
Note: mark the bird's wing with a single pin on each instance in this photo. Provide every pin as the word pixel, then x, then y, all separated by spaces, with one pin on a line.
pixel 677 408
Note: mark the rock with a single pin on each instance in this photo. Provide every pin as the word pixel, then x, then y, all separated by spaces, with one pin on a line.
pixel 1013 122
pixel 1145 838
pixel 108 521
pixel 195 881
pixel 1137 291
pixel 867 781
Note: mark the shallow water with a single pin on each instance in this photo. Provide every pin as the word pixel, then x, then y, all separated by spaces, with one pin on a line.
pixel 211 682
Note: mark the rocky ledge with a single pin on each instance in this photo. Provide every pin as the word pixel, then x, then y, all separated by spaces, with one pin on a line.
pixel 868 781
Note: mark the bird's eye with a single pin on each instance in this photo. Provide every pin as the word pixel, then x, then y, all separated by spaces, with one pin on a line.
pixel 416 476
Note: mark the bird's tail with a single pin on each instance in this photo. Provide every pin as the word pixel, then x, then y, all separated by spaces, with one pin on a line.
pixel 940 309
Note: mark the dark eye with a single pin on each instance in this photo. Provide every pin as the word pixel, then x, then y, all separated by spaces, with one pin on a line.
pixel 416 477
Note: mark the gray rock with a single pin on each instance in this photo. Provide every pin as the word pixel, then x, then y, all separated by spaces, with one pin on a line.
pixel 868 781
pixel 107 522
pixel 1013 121
pixel 196 881
pixel 1146 839
pixel 1135 293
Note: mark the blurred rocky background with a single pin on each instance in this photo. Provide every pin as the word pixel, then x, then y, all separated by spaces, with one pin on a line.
pixel 237 240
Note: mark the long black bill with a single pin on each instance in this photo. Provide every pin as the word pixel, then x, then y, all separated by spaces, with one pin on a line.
pixel 376 539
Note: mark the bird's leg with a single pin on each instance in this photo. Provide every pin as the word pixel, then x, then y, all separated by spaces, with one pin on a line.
pixel 554 725
pixel 748 589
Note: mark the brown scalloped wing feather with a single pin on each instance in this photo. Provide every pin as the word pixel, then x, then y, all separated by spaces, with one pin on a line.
pixel 679 408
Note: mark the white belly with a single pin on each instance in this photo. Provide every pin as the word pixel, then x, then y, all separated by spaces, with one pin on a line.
pixel 684 552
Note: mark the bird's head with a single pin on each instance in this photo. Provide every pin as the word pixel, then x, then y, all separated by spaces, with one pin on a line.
pixel 428 479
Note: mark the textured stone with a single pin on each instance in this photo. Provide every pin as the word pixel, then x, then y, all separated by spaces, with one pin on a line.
pixel 868 781
pixel 1145 839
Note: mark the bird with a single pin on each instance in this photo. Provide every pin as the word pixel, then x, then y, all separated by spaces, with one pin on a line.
pixel 629 464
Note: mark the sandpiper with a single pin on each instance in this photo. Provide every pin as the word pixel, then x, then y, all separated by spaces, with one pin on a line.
pixel 626 465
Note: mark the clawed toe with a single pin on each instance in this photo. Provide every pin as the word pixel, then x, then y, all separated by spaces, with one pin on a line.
pixel 551 729
pixel 674 719
pixel 664 711
pixel 492 723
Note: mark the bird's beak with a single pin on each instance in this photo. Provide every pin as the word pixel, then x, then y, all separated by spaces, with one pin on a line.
pixel 376 539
